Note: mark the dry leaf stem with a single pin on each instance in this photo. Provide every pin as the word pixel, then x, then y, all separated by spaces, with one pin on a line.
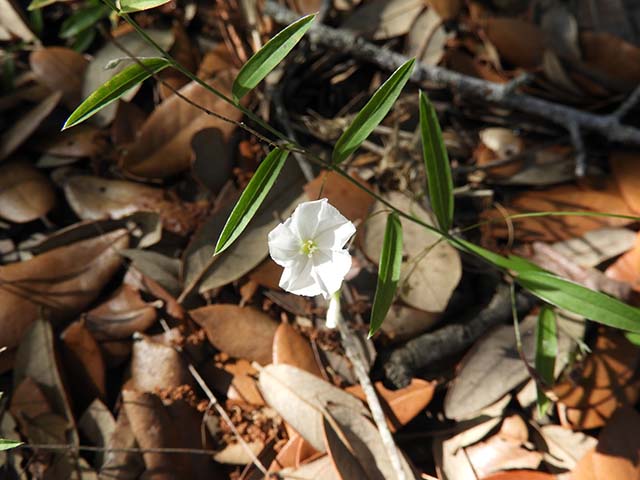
pixel 350 345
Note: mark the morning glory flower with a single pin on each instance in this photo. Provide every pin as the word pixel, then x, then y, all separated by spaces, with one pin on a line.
pixel 310 247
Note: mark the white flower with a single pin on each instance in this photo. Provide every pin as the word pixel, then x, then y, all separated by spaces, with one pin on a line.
pixel 309 245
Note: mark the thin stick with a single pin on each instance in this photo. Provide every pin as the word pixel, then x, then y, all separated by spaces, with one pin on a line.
pixel 349 343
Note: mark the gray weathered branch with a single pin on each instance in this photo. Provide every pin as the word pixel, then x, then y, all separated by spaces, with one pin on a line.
pixel 609 126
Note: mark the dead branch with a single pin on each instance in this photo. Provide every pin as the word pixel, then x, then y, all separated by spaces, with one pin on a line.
pixel 609 125
pixel 426 349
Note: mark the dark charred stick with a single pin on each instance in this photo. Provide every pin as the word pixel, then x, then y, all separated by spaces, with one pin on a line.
pixel 430 347
pixel 609 125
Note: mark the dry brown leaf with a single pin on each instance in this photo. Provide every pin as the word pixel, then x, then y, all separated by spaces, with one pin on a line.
pixel 627 267
pixel 98 425
pixel 567 198
pixel 81 141
pixel 94 198
pixel 119 463
pixel 430 270
pixel 153 428
pixel 350 200
pixel 617 59
pixel 519 42
pixel 403 323
pixel 60 68
pixel 320 468
pixel 600 384
pixel 301 399
pixel 566 446
pixel 156 366
pixel 84 363
pixel 121 315
pixel 15 136
pixel 242 332
pixel 596 246
pixel 356 433
pixel 25 193
pixel 402 405
pixel 626 173
pixel 447 9
pixel 13 22
pixel 267 274
pixel 163 145
pixel 291 348
pixel 60 282
pixel 584 469
pixel 504 450
pixel 617 454
pixel 243 386
pixel 521 475
pixel 382 19
pixel 428 37
pixel 293 454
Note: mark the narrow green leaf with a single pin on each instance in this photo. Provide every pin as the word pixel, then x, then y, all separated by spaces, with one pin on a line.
pixel 546 352
pixel 513 262
pixel 128 6
pixel 114 88
pixel 437 166
pixel 6 444
pixel 270 55
pixel 372 113
pixel 251 199
pixel 36 4
pixel 633 338
pixel 83 19
pixel 388 272
pixel 575 298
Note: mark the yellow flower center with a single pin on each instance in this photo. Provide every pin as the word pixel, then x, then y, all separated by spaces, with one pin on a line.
pixel 307 248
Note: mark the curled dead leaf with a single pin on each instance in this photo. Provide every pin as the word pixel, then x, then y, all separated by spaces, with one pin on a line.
pixel 163 145
pixel 60 283
pixel 60 68
pixel 25 193
pixel 242 332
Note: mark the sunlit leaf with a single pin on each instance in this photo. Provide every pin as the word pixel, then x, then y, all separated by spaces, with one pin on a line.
pixel 388 272
pixel 436 162
pixel 114 88
pixel 270 55
pixel 6 444
pixel 82 20
pixel 251 198
pixel 575 298
pixel 546 352
pixel 513 262
pixel 372 113
pixel 128 6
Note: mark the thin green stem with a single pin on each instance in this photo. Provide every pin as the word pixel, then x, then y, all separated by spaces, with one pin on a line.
pixel 178 66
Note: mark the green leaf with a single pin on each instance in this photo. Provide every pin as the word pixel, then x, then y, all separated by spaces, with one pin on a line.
pixel 546 352
pixel 128 6
pixel 83 19
pixel 114 88
pixel 575 298
pixel 633 337
pixel 36 4
pixel 251 199
pixel 6 444
pixel 373 113
pixel 388 272
pixel 513 262
pixel 270 55
pixel 436 162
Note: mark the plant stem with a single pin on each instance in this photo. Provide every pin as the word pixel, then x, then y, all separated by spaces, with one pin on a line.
pixel 351 349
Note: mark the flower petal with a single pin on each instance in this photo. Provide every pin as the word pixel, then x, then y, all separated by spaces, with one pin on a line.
pixel 306 217
pixel 284 244
pixel 297 278
pixel 335 238
pixel 329 269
